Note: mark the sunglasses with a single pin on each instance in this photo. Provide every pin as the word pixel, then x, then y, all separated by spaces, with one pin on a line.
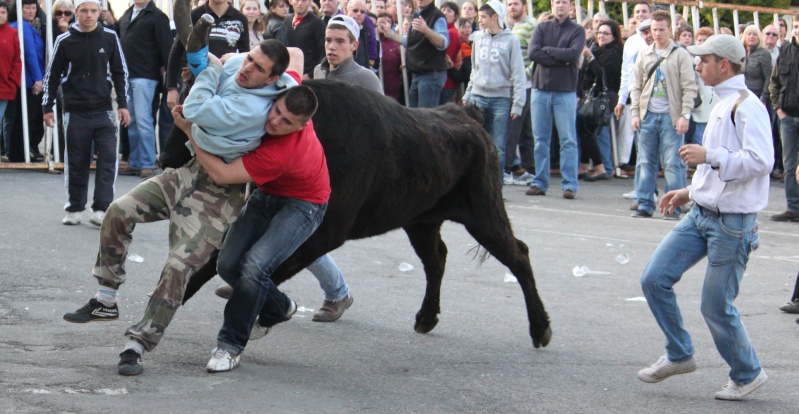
pixel 771 34
pixel 60 13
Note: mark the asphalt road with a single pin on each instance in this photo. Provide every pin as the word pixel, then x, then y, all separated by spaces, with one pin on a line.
pixel 478 359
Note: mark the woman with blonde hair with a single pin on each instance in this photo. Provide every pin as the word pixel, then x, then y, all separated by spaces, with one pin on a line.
pixel 757 66
pixel 255 21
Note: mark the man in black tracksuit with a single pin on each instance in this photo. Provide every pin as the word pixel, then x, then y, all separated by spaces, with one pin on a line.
pixel 88 57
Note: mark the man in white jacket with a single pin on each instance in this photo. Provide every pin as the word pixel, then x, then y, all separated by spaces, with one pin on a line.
pixel 730 186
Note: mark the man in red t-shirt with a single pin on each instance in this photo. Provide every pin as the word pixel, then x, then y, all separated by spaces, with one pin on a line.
pixel 290 170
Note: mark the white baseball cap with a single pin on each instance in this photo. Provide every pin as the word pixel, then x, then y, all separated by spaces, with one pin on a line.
pixel 722 45
pixel 346 21
pixel 79 2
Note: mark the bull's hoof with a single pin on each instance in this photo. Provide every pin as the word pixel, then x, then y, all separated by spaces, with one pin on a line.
pixel 425 326
pixel 544 339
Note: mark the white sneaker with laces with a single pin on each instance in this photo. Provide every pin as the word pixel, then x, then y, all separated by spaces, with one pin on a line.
pixel 72 218
pixel 524 179
pixel 665 368
pixel 735 392
pixel 222 361
pixel 258 331
pixel 97 218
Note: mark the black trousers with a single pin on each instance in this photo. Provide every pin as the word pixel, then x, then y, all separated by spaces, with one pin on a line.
pixel 83 130
pixel 520 134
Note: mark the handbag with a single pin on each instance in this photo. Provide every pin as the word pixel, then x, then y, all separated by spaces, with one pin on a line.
pixel 594 109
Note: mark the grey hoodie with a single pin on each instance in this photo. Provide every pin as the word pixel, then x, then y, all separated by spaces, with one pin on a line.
pixel 497 68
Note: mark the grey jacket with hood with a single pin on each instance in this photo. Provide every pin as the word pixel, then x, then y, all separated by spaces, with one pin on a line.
pixel 497 68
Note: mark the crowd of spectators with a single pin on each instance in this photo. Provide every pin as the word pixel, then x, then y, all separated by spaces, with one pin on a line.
pixel 560 70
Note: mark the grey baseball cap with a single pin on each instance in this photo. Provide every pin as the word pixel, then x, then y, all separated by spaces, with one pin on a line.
pixel 347 22
pixel 646 24
pixel 722 45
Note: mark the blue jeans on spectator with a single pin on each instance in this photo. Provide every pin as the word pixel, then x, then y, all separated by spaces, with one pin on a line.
pixel 559 109
pixel 141 130
pixel 330 279
pixel 496 117
pixel 726 240
pixel 268 231
pixel 603 141
pixel 698 132
pixel 789 132
pixel 657 138
pixel 425 90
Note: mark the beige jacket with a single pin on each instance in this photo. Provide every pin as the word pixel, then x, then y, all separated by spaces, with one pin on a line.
pixel 680 81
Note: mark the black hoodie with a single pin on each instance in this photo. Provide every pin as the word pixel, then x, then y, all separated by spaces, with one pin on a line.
pixel 85 64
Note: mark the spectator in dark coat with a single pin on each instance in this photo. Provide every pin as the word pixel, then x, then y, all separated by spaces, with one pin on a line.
pixel 304 30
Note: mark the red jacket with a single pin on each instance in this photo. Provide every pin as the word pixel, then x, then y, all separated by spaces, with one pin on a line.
pixel 10 63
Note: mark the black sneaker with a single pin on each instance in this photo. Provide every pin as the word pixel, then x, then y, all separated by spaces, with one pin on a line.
pixel 130 363
pixel 94 311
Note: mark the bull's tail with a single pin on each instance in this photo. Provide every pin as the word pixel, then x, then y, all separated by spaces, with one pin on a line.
pixel 182 16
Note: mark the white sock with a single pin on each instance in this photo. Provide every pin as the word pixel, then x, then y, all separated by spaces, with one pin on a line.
pixel 134 345
pixel 106 296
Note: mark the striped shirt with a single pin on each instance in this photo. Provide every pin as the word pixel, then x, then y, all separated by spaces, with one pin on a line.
pixel 523 30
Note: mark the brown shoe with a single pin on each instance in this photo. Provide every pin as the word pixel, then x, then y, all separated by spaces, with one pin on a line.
pixel 786 216
pixel 224 291
pixel 568 194
pixel 146 173
pixel 128 171
pixel 332 311
pixel 535 191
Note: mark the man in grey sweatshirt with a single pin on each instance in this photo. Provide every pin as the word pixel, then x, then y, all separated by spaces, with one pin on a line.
pixel 497 76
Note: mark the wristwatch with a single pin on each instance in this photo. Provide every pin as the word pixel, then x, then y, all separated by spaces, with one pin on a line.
pixel 687 116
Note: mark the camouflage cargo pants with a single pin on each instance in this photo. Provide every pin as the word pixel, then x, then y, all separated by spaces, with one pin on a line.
pixel 199 212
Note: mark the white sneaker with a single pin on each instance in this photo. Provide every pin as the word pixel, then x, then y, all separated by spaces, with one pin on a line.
pixel 524 179
pixel 735 392
pixel 664 368
pixel 630 195
pixel 507 179
pixel 222 361
pixel 258 331
pixel 72 218
pixel 97 218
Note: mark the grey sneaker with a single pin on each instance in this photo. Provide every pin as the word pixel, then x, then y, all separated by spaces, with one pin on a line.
pixel 735 392
pixel 258 331
pixel 332 311
pixel 222 361
pixel 790 307
pixel 664 368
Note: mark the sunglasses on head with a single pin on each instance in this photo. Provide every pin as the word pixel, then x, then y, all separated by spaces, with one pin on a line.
pixel 60 13
pixel 770 34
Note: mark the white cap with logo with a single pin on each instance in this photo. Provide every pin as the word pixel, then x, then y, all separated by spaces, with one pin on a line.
pixel 722 45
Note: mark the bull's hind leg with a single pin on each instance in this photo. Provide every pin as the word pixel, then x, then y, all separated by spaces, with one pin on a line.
pixel 497 238
pixel 426 241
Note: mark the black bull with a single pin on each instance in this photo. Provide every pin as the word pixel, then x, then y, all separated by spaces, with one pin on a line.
pixel 392 167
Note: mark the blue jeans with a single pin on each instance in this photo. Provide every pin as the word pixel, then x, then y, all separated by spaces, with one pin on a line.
pixel 726 240
pixel 558 108
pixel 695 136
pixel 789 132
pixel 330 279
pixel 141 130
pixel 657 137
pixel 603 141
pixel 425 90
pixel 496 118
pixel 268 231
